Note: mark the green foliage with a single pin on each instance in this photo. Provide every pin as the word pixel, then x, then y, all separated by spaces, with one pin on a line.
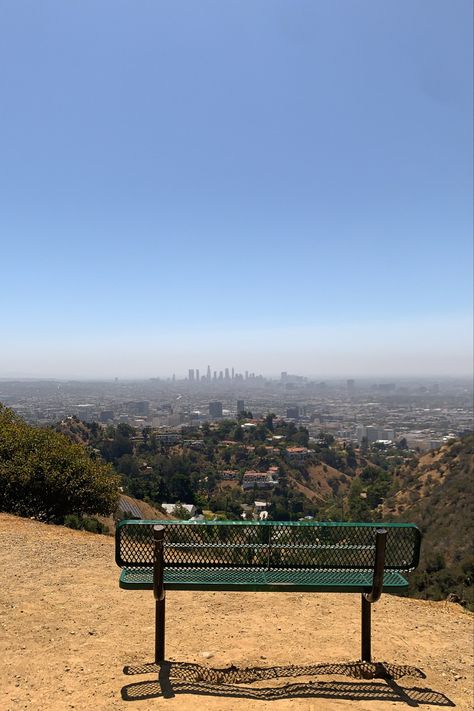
pixel 359 509
pixel 84 523
pixel 43 474
pixel 180 512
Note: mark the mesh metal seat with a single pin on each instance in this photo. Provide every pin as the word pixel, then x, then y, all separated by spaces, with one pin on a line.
pixel 254 580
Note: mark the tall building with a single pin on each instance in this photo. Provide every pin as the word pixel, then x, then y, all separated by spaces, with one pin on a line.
pixel 139 408
pixel 227 373
pixel 233 373
pixel 240 406
pixel 215 409
pixel 372 434
pixel 197 375
pixel 191 375
pixel 208 373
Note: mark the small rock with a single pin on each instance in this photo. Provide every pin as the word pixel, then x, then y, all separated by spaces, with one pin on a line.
pixel 207 655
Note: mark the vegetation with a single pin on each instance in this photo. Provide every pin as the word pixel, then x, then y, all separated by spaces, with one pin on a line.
pixel 42 474
pixel 45 475
pixel 436 494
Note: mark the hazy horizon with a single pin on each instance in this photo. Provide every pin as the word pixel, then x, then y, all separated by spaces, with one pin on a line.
pixel 266 186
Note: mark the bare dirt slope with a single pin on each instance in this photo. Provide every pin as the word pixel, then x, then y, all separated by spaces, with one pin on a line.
pixel 67 631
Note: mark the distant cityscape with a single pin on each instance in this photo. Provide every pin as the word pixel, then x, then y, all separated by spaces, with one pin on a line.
pixel 424 413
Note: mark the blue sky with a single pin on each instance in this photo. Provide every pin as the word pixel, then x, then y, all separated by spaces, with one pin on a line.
pixel 269 184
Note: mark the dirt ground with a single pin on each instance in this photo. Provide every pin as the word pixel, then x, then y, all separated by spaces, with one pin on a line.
pixel 71 639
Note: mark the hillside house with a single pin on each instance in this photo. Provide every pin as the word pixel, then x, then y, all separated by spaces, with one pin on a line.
pixel 297 455
pixel 260 480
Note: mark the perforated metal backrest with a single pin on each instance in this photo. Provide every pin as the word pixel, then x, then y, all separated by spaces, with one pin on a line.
pixel 267 545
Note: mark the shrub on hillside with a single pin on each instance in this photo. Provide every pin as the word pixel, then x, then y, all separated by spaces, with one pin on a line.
pixel 84 523
pixel 42 474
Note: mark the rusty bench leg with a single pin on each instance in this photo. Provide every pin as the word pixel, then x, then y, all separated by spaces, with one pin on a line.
pixel 159 630
pixel 159 593
pixel 369 598
pixel 366 652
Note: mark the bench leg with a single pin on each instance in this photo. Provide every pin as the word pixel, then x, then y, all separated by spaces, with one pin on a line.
pixel 160 630
pixel 366 652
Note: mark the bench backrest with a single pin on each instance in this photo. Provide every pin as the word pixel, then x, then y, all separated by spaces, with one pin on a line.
pixel 267 545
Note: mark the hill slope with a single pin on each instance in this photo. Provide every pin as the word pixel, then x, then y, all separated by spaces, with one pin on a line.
pixel 68 631
pixel 436 493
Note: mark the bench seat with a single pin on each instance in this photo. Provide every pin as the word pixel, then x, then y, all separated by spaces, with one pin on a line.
pixel 254 580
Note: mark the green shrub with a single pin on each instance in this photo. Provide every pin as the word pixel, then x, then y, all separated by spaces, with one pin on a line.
pixel 42 474
pixel 84 523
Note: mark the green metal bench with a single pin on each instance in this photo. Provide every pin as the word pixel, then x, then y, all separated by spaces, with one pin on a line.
pixel 303 556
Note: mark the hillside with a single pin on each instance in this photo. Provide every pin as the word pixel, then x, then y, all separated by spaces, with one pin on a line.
pixel 436 493
pixel 68 631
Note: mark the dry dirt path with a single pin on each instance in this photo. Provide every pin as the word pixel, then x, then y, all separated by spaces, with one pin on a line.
pixel 67 632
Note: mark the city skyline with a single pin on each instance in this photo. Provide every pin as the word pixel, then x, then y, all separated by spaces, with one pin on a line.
pixel 273 186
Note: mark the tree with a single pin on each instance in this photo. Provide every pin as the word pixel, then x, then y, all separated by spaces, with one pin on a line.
pixel 238 435
pixel 359 509
pixel 326 439
pixel 180 512
pixel 269 421
pixel 146 432
pixel 43 474
pixel 125 430
pixel 351 458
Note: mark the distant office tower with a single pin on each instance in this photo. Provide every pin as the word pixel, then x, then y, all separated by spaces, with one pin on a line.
pixel 208 373
pixel 284 376
pixel 240 406
pixel 372 434
pixel 233 373
pixel 227 374
pixel 221 375
pixel 140 408
pixel 191 375
pixel 215 409
pixel 246 375
pixel 215 375
pixel 293 412
pixel 197 375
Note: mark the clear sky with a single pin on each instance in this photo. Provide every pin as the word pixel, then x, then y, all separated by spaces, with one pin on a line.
pixel 266 184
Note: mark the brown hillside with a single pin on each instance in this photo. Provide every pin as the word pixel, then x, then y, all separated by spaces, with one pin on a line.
pixel 319 482
pixel 67 631
pixel 310 494
pixel 437 494
pixel 322 479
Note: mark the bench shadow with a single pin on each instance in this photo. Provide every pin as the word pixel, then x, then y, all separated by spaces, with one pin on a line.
pixel 379 682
